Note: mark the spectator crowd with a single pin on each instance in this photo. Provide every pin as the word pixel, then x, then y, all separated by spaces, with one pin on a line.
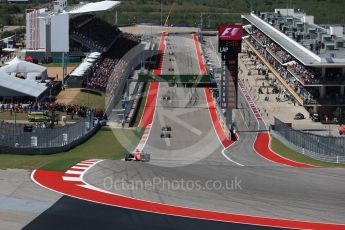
pixel 70 109
pixel 95 31
pixel 305 95
pixel 107 73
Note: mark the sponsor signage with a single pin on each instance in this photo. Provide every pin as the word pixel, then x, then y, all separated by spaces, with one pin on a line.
pixel 230 32
pixel 229 38
pixel 33 141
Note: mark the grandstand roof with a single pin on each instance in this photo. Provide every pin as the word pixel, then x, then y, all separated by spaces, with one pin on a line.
pixel 94 7
pixel 28 87
pixel 298 51
pixel 81 69
pixel 332 57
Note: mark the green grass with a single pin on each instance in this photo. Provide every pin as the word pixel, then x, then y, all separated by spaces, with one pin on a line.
pixel 278 147
pixel 105 144
pixel 7 116
pixel 90 100
pixel 142 105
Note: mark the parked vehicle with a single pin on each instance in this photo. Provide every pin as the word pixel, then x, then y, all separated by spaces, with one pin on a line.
pixel 299 116
pixel 315 117
pixel 100 121
pixel 38 115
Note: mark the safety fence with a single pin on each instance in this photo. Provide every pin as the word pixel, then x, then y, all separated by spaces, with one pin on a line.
pixel 325 148
pixel 26 139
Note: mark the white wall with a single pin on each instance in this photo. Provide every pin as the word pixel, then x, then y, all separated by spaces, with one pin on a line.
pixel 42 33
pixel 337 31
pixel 60 33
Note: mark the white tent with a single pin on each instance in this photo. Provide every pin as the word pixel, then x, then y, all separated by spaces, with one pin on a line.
pixel 19 66
pixel 94 55
pixel 23 86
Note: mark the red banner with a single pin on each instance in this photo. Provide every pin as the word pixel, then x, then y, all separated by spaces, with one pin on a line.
pixel 230 32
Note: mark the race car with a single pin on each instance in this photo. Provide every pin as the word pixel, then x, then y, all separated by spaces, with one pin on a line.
pixel 165 135
pixel 166 128
pixel 137 156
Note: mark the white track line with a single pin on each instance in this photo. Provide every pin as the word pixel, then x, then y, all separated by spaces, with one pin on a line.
pixel 79 167
pixel 84 164
pixel 214 128
pixel 73 172
pixel 67 178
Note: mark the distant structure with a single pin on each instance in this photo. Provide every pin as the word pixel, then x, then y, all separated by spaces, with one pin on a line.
pixel 50 32
pixel 308 59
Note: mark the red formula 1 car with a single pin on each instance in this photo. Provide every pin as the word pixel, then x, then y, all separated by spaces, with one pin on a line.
pixel 137 156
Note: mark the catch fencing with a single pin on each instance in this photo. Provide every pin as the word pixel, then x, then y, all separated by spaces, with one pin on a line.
pixel 325 148
pixel 23 139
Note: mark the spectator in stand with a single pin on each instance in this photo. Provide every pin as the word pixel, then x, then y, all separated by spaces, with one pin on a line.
pixel 108 73
pixel 95 31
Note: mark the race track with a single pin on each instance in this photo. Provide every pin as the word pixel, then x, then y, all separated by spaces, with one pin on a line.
pixel 266 189
pixel 191 174
pixel 180 57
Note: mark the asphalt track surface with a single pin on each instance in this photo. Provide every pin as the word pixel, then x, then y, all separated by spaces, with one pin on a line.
pixel 267 189
pixel 71 213
pixel 180 55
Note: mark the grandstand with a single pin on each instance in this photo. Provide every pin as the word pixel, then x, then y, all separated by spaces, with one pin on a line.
pixel 307 58
pixel 81 33
pixel 106 71
pixel 73 30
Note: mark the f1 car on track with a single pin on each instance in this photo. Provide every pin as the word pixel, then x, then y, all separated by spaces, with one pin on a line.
pixel 166 128
pixel 137 156
pixel 165 135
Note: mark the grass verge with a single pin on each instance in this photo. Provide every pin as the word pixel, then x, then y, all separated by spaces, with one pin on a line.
pixel 105 144
pixel 281 149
